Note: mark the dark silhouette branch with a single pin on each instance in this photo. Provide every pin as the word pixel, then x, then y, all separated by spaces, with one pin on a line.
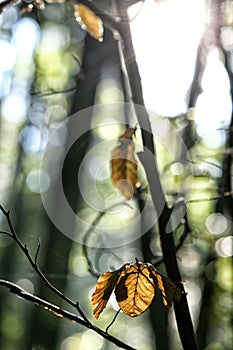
pixel 147 158
pixel 57 311
pixel 33 262
pixel 52 92
pixel 13 288
pixel 113 321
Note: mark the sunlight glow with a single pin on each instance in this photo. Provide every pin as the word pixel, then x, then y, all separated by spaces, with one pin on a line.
pixel 14 107
pixel 25 37
pixel 106 130
pixel 213 109
pixel 166 50
pixel 26 284
pixel 54 37
pixel 38 181
pixel 216 223
pixel 7 57
pixel 91 340
pixel 224 246
pixel 71 343
pixel 109 92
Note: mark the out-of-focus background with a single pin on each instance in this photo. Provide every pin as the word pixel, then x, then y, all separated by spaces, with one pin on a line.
pixel 46 77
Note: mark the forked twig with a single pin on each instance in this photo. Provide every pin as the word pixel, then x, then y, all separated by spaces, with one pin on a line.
pixel 33 262
pixel 56 310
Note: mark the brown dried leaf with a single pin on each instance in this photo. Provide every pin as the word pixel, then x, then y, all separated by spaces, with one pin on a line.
pixel 168 289
pixel 135 285
pixel 104 288
pixel 135 289
pixel 124 165
pixel 89 21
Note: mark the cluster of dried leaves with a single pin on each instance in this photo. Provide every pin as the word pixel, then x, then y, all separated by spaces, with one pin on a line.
pixel 135 285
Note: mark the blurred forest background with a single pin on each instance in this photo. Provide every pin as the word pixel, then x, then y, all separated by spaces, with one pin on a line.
pixel 51 69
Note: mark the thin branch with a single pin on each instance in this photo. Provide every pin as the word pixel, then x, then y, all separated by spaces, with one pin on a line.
pixel 13 288
pixel 113 320
pixel 37 251
pixel 52 92
pixel 57 311
pixel 33 263
pixel 187 231
pixel 147 158
pixel 207 199
pixel 6 233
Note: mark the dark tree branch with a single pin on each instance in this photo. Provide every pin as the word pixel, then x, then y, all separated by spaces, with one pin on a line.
pixel 147 159
pixel 13 288
pixel 57 311
pixel 33 262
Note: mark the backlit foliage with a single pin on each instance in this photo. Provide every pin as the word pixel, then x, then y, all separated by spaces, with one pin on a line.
pixel 135 285
pixel 124 165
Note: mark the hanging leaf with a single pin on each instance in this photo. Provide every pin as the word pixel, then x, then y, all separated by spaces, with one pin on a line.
pixel 104 288
pixel 168 289
pixel 135 289
pixel 89 21
pixel 124 165
pixel 135 285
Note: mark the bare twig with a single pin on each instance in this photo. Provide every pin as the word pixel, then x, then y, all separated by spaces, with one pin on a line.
pixel 207 199
pixel 33 263
pixel 52 92
pixel 13 288
pixel 147 158
pixel 37 251
pixel 57 311
pixel 113 320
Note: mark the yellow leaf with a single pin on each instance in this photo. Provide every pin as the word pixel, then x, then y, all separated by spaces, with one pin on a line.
pixel 104 287
pixel 135 285
pixel 124 165
pixel 135 289
pixel 168 289
pixel 89 21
